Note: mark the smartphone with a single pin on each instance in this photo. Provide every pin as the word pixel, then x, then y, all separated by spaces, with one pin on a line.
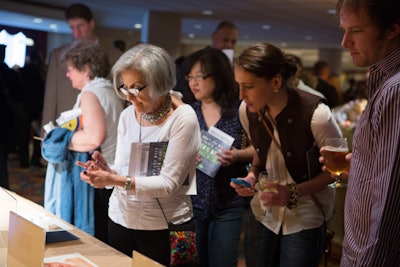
pixel 240 182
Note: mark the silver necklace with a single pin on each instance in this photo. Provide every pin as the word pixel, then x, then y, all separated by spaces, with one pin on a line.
pixel 160 113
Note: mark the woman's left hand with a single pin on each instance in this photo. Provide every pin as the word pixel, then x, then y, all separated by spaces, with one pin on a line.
pixel 278 198
pixel 97 178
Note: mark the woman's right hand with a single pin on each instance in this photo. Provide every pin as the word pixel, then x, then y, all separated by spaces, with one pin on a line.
pixel 98 174
pixel 98 162
pixel 245 191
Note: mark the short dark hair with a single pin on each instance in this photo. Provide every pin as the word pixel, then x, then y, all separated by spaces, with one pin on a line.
pixel 226 24
pixel 80 11
pixel 319 66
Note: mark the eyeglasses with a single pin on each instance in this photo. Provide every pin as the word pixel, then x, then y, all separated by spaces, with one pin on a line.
pixel 197 78
pixel 133 91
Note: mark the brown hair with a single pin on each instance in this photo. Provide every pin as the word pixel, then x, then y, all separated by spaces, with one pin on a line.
pixel 83 53
pixel 384 13
pixel 266 60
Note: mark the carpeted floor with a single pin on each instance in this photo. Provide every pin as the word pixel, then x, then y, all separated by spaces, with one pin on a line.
pixel 27 182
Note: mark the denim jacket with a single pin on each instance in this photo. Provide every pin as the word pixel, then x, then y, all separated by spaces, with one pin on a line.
pixel 65 194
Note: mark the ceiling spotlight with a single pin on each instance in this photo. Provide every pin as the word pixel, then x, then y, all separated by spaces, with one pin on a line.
pixel 191 35
pixel 207 12
pixel 137 26
pixel 37 20
pixel 266 27
pixel 331 11
pixel 53 26
pixel 197 26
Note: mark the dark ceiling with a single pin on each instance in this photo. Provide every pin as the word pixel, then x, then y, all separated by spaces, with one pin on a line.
pixel 287 23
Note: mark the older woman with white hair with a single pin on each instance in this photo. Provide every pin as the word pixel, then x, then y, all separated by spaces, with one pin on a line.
pixel 145 75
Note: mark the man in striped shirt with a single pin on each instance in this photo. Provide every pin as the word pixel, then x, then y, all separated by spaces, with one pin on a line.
pixel 372 207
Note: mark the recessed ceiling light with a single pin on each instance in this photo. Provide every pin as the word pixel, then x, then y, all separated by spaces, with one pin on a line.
pixel 331 11
pixel 37 20
pixel 191 35
pixel 207 12
pixel 266 27
pixel 137 26
pixel 53 26
pixel 29 41
pixel 197 26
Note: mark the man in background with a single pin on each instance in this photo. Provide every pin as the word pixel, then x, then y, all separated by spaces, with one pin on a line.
pixel 322 72
pixel 59 94
pixel 297 82
pixel 223 38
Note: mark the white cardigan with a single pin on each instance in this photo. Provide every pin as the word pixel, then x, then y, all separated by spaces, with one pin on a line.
pixel 140 210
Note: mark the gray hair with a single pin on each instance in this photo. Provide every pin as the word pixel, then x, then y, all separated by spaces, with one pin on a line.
pixel 153 62
pixel 83 53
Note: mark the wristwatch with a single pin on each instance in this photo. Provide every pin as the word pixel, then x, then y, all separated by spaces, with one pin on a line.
pixel 128 183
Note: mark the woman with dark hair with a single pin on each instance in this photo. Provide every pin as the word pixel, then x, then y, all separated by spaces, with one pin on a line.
pixel 218 210
pixel 286 126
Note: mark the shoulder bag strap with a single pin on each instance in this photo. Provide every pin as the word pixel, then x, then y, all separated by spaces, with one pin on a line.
pixel 165 217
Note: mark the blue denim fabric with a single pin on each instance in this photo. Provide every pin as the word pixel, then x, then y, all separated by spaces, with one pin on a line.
pixel 52 188
pixel 218 238
pixel 66 195
pixel 55 145
pixel 264 248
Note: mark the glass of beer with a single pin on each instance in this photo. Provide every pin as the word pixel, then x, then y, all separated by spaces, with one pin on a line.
pixel 335 151
pixel 263 178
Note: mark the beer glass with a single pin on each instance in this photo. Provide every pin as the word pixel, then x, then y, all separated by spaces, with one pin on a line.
pixel 335 151
pixel 263 178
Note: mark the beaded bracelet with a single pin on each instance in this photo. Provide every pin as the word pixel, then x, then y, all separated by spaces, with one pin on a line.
pixel 294 196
